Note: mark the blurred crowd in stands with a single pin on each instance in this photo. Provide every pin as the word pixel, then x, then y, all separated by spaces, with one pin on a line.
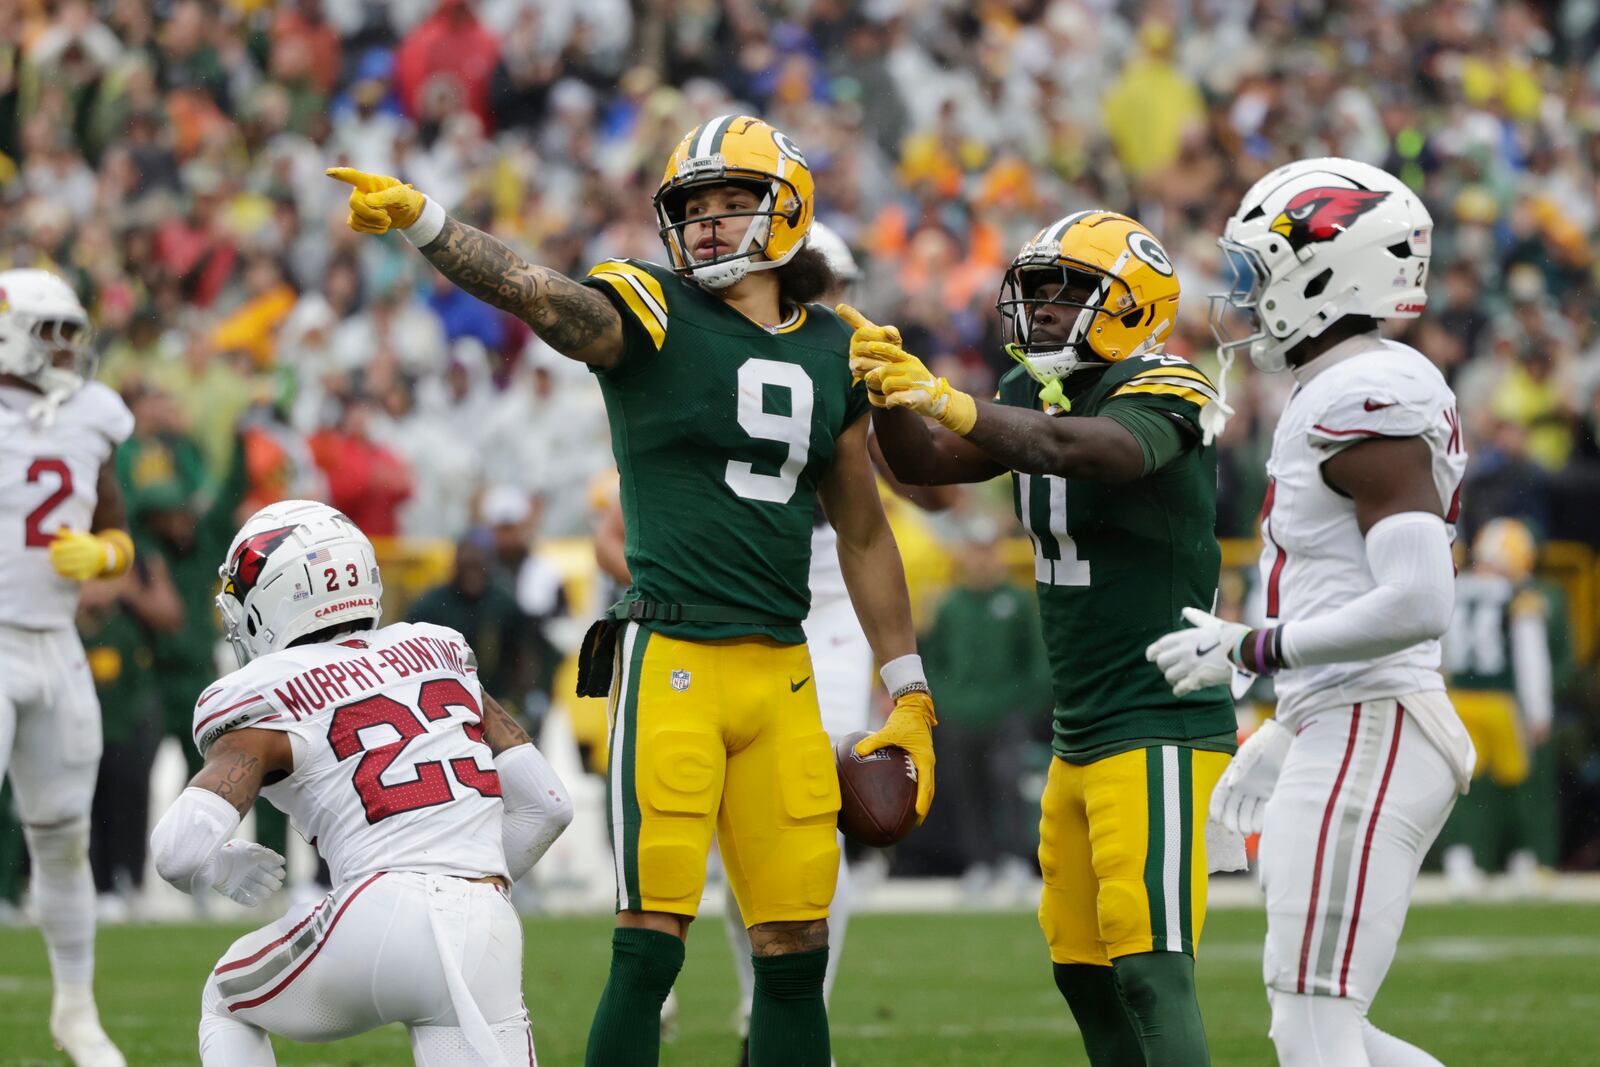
pixel 167 155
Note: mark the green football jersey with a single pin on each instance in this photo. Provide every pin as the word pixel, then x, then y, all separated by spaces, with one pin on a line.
pixel 1117 563
pixel 722 431
pixel 1478 649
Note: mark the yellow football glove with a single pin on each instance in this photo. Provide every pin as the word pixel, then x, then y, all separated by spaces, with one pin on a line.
pixel 378 203
pixel 910 725
pixel 866 332
pixel 80 555
pixel 905 382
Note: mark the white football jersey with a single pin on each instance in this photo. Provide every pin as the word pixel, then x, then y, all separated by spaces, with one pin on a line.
pixel 49 476
pixel 1314 557
pixel 827 578
pixel 390 769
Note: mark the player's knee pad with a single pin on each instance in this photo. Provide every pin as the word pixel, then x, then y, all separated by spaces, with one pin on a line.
pixel 1316 1031
pixel 59 848
pixel 808 780
pixel 818 870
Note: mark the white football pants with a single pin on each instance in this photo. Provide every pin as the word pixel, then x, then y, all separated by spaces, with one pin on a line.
pixel 50 748
pixel 1362 795
pixel 49 724
pixel 441 955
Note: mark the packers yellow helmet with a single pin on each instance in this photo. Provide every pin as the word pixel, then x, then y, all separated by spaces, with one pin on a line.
pixel 1112 280
pixel 744 150
pixel 1508 547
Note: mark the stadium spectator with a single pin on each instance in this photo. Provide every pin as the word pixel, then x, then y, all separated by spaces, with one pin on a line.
pixel 477 604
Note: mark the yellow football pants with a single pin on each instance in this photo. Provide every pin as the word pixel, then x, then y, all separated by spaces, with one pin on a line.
pixel 1122 844
pixel 1495 726
pixel 720 736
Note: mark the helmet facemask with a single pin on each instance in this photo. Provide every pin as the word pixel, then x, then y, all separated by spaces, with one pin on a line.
pixel 1079 293
pixel 1234 315
pixel 48 337
pixel 776 199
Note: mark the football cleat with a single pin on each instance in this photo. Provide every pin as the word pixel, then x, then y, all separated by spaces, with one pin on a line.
pixel 75 1028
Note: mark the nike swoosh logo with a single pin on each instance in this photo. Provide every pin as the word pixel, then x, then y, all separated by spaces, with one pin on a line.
pixel 794 686
pixel 1370 406
pixel 1208 648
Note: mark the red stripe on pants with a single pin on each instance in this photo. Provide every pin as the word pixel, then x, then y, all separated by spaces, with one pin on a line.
pixel 1366 847
pixel 1322 842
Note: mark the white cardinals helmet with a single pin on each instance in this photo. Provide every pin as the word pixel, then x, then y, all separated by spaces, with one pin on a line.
pixel 296 567
pixel 1315 241
pixel 40 317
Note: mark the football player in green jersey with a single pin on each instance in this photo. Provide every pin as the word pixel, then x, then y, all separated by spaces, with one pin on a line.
pixel 1108 442
pixel 733 414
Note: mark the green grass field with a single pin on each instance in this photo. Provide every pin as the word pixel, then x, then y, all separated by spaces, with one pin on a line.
pixel 1509 985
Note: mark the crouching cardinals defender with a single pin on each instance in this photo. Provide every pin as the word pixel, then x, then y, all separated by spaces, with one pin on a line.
pixel 58 433
pixel 424 797
pixel 1353 781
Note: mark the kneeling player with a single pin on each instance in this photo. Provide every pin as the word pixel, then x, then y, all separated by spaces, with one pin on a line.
pixel 1116 482
pixel 424 797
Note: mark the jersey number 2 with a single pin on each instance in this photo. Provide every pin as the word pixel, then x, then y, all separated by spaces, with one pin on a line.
pixel 430 786
pixel 35 535
pixel 793 429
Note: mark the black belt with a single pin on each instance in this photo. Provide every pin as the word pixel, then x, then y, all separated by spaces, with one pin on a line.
pixel 653 611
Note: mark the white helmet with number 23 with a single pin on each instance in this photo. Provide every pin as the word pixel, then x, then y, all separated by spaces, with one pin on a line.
pixel 1312 242
pixel 296 567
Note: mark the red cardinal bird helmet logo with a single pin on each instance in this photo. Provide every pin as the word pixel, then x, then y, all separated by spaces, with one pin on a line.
pixel 1323 213
pixel 244 569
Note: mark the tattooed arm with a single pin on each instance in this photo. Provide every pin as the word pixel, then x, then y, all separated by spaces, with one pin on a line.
pixel 500 730
pixel 572 319
pixel 240 762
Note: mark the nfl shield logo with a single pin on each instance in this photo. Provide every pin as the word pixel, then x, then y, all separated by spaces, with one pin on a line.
pixel 680 680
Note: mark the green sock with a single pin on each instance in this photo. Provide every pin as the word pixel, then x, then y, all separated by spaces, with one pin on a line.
pixel 788 1018
pixel 626 1031
pixel 1108 1035
pixel 1157 989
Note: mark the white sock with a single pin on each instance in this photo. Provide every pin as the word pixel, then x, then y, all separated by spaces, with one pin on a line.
pixel 1386 1050
pixel 63 895
pixel 1317 1031
pixel 227 1042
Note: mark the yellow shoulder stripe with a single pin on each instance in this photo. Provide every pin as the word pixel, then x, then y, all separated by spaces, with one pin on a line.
pixel 1177 371
pixel 642 294
pixel 1182 392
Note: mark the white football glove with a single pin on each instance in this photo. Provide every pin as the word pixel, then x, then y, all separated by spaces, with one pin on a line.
pixel 1239 802
pixel 244 871
pixel 1197 657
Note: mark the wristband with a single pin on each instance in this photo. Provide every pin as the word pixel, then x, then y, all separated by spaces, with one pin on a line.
pixel 904 675
pixel 1260 651
pixel 119 551
pixel 426 229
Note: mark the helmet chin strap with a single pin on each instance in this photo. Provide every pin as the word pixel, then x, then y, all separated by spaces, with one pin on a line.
pixel 57 385
pixel 1051 393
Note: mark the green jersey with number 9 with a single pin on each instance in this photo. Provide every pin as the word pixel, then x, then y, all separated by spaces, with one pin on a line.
pixel 1116 563
pixel 722 430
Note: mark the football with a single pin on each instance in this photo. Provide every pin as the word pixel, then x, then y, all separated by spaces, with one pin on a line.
pixel 877 793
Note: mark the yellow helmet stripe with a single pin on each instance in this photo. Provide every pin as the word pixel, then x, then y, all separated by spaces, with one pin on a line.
pixel 1058 229
pixel 641 293
pixel 1182 392
pixel 1177 372
pixel 709 143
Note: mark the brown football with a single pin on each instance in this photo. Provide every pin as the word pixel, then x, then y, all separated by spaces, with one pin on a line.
pixel 877 793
